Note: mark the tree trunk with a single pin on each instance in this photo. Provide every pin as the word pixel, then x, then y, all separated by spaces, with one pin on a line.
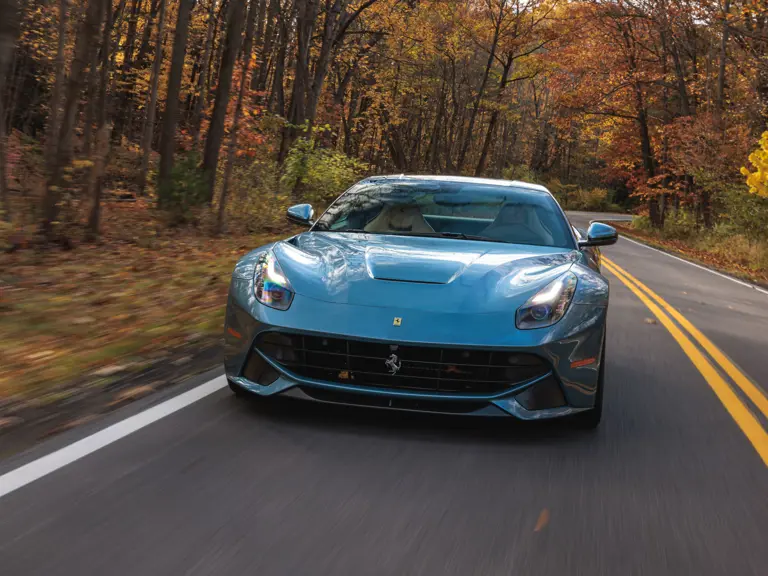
pixel 645 141
pixel 102 134
pixel 88 30
pixel 124 109
pixel 330 30
pixel 413 161
pixel 216 129
pixel 117 19
pixel 8 31
pixel 646 149
pixel 706 209
pixel 149 120
pixel 171 115
pixel 723 57
pixel 480 94
pixel 305 25
pixel 54 116
pixel 96 181
pixel 433 159
pixel 146 35
pixel 682 88
pixel 498 165
pixel 232 147
pixel 276 101
pixel 5 204
pixel 337 21
pixel 18 72
pixel 272 28
pixel 762 88
pixel 202 92
pixel 349 120
pixel 654 212
pixel 494 116
pixel 263 27
pixel 90 101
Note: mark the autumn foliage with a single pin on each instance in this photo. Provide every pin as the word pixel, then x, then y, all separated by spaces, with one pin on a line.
pixel 758 180
pixel 228 106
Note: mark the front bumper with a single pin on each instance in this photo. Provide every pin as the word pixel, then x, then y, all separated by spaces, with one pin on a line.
pixel 394 400
pixel 572 348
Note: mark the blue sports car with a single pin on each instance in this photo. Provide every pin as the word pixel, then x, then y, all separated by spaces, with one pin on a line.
pixel 434 294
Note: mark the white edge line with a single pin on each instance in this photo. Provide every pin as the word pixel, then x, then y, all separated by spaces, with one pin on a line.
pixel 43 466
pixel 715 272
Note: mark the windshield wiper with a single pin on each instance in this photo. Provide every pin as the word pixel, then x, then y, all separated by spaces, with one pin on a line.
pixel 351 230
pixel 457 235
pixel 472 237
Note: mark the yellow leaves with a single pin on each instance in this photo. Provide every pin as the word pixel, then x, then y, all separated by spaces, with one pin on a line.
pixel 758 180
pixel 81 164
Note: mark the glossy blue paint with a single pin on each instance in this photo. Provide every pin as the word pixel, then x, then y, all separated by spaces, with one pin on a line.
pixel 418 273
pixel 600 234
pixel 301 214
pixel 448 292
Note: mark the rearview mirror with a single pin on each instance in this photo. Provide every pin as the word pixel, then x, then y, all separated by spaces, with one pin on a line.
pixel 599 234
pixel 301 214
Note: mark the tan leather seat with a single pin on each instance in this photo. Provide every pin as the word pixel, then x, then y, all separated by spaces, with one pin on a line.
pixel 518 223
pixel 399 218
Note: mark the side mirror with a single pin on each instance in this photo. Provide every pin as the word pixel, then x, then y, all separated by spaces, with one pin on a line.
pixel 301 214
pixel 599 234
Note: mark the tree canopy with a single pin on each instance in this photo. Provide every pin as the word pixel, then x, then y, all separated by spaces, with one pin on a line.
pixel 662 101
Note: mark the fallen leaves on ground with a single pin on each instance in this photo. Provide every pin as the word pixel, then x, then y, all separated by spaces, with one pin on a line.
pixel 103 310
pixel 731 265
pixel 133 393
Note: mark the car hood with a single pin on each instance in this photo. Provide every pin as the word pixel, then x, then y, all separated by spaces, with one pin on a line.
pixel 409 272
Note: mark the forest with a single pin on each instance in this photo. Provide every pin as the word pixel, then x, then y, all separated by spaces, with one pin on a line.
pixel 236 107
pixel 146 144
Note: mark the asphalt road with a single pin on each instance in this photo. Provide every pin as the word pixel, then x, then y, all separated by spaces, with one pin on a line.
pixel 669 484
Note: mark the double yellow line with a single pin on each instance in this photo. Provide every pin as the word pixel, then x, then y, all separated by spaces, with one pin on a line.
pixel 738 410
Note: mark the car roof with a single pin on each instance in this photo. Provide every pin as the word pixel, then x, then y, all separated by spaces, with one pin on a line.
pixel 465 179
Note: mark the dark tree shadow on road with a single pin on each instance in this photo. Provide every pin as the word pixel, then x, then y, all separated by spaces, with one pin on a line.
pixel 421 427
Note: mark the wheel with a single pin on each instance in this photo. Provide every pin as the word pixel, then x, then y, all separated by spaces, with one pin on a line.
pixel 236 390
pixel 590 419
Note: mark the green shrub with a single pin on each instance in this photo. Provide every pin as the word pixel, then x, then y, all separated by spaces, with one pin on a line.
pixel 680 226
pixel 187 190
pixel 318 175
pixel 520 172
pixel 746 213
pixel 6 229
pixel 596 199
pixel 564 193
pixel 593 200
pixel 256 202
pixel 735 248
pixel 642 222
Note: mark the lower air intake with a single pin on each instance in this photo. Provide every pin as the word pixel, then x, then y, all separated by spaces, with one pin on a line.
pixel 445 370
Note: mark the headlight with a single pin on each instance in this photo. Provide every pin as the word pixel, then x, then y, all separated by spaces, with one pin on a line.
pixel 270 285
pixel 547 306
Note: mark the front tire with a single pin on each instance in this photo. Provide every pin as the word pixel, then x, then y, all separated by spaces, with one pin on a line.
pixel 236 390
pixel 590 419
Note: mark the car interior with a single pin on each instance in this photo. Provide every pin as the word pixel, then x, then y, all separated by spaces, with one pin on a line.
pixel 515 222
pixel 399 218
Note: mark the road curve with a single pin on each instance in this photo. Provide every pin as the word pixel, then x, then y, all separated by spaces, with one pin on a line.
pixel 669 484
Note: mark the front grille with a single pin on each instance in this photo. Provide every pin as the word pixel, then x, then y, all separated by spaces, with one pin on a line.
pixel 419 368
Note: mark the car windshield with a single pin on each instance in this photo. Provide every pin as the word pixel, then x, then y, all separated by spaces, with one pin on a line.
pixel 473 211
